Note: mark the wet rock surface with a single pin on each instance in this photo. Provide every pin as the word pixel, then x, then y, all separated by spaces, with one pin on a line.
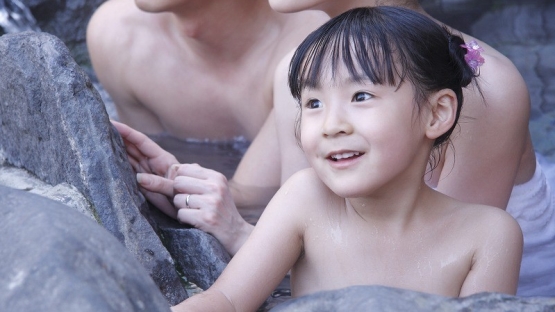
pixel 56 259
pixel 55 127
pixel 385 299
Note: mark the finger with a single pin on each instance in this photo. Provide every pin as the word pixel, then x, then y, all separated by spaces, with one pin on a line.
pixel 198 172
pixel 188 201
pixel 122 128
pixel 190 216
pixel 161 202
pixel 157 184
pixel 172 171
pixel 188 185
pixel 143 143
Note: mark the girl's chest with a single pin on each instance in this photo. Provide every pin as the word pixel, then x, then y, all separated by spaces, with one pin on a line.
pixel 335 259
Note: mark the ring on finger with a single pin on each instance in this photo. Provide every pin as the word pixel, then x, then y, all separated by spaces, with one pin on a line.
pixel 187 201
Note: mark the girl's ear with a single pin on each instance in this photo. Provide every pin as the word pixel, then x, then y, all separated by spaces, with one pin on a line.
pixel 443 109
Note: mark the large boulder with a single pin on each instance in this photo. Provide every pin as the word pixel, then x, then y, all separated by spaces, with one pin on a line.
pixel 55 259
pixel 386 299
pixel 54 125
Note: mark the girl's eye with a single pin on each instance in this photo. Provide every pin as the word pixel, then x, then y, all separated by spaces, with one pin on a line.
pixel 361 96
pixel 313 103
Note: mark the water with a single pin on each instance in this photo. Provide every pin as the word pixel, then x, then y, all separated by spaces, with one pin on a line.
pixel 16 17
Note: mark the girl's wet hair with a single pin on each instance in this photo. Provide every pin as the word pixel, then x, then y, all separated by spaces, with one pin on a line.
pixel 386 45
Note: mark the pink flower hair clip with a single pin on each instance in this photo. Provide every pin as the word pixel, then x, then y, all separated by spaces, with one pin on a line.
pixel 472 56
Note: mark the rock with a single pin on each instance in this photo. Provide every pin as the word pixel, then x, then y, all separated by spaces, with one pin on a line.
pixel 64 193
pixel 198 255
pixel 384 299
pixel 68 21
pixel 55 126
pixel 55 259
pixel 459 14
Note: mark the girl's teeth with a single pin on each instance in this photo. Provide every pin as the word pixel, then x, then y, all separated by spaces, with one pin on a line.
pixel 344 155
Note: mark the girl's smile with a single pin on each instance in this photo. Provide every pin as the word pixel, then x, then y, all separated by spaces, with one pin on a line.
pixel 344 159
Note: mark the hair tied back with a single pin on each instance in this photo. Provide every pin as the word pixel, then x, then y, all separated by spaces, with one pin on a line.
pixel 472 56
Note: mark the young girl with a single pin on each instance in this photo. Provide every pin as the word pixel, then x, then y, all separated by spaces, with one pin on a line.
pixel 379 88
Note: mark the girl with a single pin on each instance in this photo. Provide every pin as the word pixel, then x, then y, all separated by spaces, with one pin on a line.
pixel 379 88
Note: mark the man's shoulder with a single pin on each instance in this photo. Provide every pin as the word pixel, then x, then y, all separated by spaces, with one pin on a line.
pixel 118 19
pixel 500 81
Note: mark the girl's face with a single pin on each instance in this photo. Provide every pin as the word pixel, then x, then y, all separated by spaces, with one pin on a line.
pixel 361 138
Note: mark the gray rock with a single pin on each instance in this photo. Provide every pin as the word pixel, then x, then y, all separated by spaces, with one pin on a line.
pixel 64 193
pixel 384 299
pixel 54 125
pixel 198 255
pixel 55 259
pixel 68 21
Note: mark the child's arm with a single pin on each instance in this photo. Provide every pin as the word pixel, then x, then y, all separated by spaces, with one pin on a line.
pixel 496 262
pixel 268 254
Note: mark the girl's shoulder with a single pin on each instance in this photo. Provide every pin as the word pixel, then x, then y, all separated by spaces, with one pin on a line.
pixel 305 190
pixel 305 183
pixel 482 222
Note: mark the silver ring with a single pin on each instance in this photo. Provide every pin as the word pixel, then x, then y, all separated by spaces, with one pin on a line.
pixel 187 201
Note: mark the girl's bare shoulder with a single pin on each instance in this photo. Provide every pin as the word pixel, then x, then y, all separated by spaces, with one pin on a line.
pixel 306 182
pixel 304 188
pixel 487 222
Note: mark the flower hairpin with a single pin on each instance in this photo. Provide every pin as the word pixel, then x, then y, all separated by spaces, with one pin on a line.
pixel 472 56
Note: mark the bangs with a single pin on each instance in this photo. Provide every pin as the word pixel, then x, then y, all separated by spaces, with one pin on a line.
pixel 366 52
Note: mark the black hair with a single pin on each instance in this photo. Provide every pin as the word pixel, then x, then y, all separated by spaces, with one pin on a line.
pixel 387 45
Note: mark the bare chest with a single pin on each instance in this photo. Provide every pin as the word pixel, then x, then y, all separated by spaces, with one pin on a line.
pixel 189 102
pixel 341 258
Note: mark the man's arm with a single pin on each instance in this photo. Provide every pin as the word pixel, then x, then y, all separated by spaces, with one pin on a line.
pixel 257 177
pixel 106 38
pixel 286 112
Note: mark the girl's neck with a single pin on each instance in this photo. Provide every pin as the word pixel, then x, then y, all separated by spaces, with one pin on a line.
pixel 396 209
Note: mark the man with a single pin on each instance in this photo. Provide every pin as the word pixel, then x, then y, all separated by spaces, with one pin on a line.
pixel 193 68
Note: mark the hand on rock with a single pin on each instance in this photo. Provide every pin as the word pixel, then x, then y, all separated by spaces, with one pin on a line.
pixel 144 154
pixel 203 200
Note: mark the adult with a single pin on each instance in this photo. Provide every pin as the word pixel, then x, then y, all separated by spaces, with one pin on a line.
pixel 193 68
pixel 491 159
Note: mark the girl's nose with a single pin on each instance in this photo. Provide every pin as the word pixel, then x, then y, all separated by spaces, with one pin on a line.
pixel 336 122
